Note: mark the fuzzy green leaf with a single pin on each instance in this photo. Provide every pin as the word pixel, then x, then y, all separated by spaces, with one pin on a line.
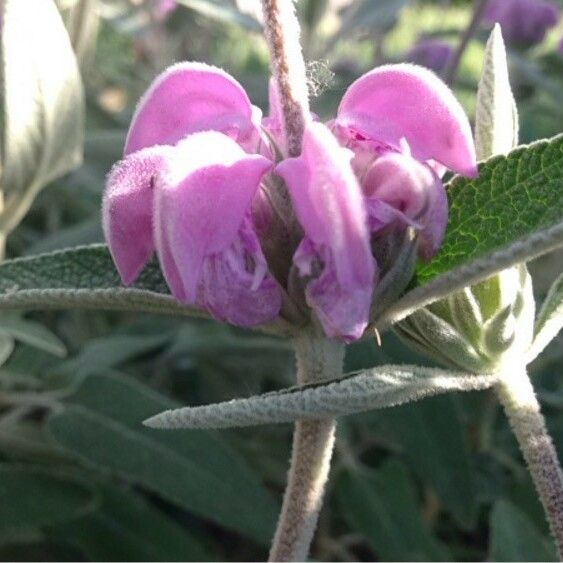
pixel 371 389
pixel 85 278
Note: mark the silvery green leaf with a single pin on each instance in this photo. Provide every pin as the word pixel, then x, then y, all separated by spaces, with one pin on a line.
pixel 496 117
pixel 85 278
pixel 376 388
pixel 550 319
pixel 43 104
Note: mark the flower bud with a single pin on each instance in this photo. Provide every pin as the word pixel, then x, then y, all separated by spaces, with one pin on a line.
pixel 480 328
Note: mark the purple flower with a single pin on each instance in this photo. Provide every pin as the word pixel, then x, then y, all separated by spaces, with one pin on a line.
pixel 431 53
pixel 523 22
pixel 196 186
pixel 185 189
pixel 335 254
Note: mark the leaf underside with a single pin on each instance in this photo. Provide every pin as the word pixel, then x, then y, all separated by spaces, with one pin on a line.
pixel 371 389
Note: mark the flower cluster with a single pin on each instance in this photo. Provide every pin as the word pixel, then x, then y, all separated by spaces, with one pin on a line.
pixel 206 183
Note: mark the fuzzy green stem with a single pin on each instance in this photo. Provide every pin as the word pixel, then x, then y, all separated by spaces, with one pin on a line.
pixel 517 396
pixel 313 440
pixel 281 28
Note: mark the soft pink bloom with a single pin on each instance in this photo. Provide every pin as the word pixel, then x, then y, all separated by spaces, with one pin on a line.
pixel 195 185
pixel 335 253
pixel 405 128
pixel 186 187
pixel 523 22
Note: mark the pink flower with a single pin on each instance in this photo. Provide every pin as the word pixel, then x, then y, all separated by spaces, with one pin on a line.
pixel 185 189
pixel 196 186
pixel 405 128
pixel 335 254
pixel 523 22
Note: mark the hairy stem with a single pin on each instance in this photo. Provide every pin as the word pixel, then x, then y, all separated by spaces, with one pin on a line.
pixel 450 72
pixel 517 396
pixel 282 33
pixel 313 440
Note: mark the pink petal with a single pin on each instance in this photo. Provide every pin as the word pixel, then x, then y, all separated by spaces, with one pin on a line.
pixel 330 207
pixel 329 202
pixel 406 101
pixel 201 200
pixel 398 187
pixel 230 292
pixel 186 98
pixel 127 210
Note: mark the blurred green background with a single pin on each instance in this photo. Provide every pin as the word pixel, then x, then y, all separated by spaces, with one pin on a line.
pixel 81 479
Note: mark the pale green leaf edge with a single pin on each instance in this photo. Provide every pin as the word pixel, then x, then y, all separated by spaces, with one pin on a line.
pixel 549 320
pixel 523 250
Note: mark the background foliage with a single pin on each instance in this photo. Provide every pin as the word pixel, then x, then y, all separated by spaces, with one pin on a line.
pixel 81 478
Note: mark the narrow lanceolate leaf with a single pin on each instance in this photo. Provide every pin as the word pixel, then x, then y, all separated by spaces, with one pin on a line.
pixel 101 425
pixel 510 214
pixel 86 278
pixel 382 387
pixel 496 117
pixel 43 104
pixel 39 496
pixel 550 319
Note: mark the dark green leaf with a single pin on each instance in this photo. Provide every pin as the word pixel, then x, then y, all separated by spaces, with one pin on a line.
pixel 383 507
pixel 514 196
pixel 32 496
pixel 432 439
pixel 194 470
pixel 127 528
pixel 515 538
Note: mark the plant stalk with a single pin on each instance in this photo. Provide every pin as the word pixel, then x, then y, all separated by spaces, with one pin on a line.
pixel 281 28
pixel 313 441
pixel 519 400
pixel 450 72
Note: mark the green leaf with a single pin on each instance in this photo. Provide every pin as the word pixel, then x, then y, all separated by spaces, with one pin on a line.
pixel 382 505
pixel 86 278
pixel 43 105
pixel 127 528
pixel 496 117
pixel 509 215
pixel 34 334
pixel 515 538
pixel 550 319
pixel 196 471
pixel 433 440
pixel 36 496
pixel 103 354
pixel 380 387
